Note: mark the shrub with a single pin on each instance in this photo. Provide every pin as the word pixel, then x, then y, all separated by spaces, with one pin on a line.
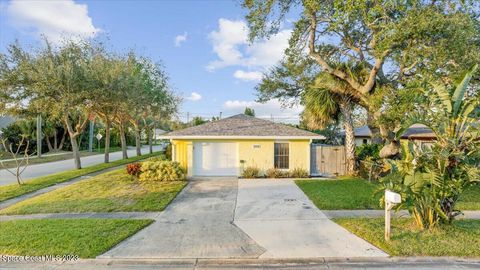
pixel 160 157
pixel 168 151
pixel 251 172
pixel 161 171
pixel 368 151
pixel 298 173
pixel 134 169
pixel 276 173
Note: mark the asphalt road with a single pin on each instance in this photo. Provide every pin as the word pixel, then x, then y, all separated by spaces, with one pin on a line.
pixel 43 169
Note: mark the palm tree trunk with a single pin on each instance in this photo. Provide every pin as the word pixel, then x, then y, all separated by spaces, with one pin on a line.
pixel 346 109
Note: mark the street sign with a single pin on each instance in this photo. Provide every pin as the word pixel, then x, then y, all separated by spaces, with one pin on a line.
pixel 99 136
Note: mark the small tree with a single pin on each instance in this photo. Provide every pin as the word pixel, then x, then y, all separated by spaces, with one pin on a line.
pixel 432 180
pixel 21 159
pixel 249 111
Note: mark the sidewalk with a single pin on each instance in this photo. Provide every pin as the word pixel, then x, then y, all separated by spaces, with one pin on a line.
pixel 381 213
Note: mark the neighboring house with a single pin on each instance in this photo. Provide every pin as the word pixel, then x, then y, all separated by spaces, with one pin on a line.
pixel 418 133
pixel 226 146
pixel 5 121
pixel 158 133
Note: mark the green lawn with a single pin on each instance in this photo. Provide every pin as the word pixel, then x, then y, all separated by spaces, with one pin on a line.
pixel 341 194
pixel 356 193
pixel 461 239
pixel 86 238
pixel 109 192
pixel 14 190
pixel 470 199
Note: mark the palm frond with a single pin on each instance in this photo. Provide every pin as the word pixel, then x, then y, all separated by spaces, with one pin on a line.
pixel 461 89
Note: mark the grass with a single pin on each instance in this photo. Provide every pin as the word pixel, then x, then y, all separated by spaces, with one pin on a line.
pixel 470 199
pixel 114 191
pixel 14 190
pixel 349 193
pixel 460 239
pixel 86 238
pixel 356 193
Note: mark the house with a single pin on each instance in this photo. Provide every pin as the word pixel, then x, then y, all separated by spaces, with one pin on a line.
pixel 418 133
pixel 226 146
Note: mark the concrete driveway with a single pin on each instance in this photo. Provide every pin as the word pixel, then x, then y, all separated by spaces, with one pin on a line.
pixel 279 217
pixel 43 169
pixel 197 224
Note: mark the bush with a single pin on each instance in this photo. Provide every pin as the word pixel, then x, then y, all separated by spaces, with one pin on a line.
pixel 161 171
pixel 251 172
pixel 160 157
pixel 276 173
pixel 298 173
pixel 168 151
pixel 134 169
pixel 365 151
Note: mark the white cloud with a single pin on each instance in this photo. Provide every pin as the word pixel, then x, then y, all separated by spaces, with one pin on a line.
pixel 194 96
pixel 230 44
pixel 248 76
pixel 272 108
pixel 54 19
pixel 180 39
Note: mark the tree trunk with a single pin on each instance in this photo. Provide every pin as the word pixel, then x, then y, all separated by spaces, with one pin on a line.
pixel 49 144
pixel 55 142
pixel 149 136
pixel 123 141
pixel 107 140
pixel 62 141
pixel 76 152
pixel 346 109
pixel 137 140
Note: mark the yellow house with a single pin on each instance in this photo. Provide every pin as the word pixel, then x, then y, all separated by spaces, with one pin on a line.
pixel 225 147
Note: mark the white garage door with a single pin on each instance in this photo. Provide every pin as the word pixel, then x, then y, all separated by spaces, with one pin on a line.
pixel 215 159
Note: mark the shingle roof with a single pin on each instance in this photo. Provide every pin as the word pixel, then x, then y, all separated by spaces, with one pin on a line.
pixel 241 125
pixel 413 132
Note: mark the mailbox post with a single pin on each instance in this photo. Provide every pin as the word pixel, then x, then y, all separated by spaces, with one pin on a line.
pixel 391 198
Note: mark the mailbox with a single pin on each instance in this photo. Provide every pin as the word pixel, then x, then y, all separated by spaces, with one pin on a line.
pixel 392 197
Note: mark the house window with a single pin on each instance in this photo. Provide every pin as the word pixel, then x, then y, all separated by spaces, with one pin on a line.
pixel 281 156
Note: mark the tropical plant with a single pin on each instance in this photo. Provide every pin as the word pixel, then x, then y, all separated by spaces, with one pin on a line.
pixel 298 173
pixel 134 169
pixel 432 180
pixel 276 173
pixel 161 171
pixel 251 172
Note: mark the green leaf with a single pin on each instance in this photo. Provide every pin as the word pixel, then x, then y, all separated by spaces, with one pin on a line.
pixel 459 93
pixel 443 95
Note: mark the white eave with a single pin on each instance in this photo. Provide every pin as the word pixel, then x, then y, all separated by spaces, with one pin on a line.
pixel 205 137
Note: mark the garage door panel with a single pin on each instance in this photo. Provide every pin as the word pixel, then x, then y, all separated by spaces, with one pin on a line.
pixel 215 159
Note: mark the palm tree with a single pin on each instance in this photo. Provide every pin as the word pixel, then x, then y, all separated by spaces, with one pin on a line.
pixel 324 105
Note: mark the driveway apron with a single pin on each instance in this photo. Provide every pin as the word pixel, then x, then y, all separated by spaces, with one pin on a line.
pixel 197 224
pixel 278 216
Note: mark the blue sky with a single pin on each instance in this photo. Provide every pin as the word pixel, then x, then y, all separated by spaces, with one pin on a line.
pixel 202 44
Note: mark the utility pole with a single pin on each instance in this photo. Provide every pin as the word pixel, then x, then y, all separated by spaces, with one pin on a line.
pixel 90 137
pixel 39 136
pixel 220 117
pixel 188 117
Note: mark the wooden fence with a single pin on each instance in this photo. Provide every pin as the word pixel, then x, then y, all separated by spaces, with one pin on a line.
pixel 327 160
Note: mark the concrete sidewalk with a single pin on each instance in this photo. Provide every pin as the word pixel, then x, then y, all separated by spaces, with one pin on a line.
pixel 279 217
pixel 197 224
pixel 43 169
pixel 381 213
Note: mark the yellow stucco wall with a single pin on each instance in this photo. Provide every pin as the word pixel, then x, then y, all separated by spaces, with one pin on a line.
pixel 258 153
